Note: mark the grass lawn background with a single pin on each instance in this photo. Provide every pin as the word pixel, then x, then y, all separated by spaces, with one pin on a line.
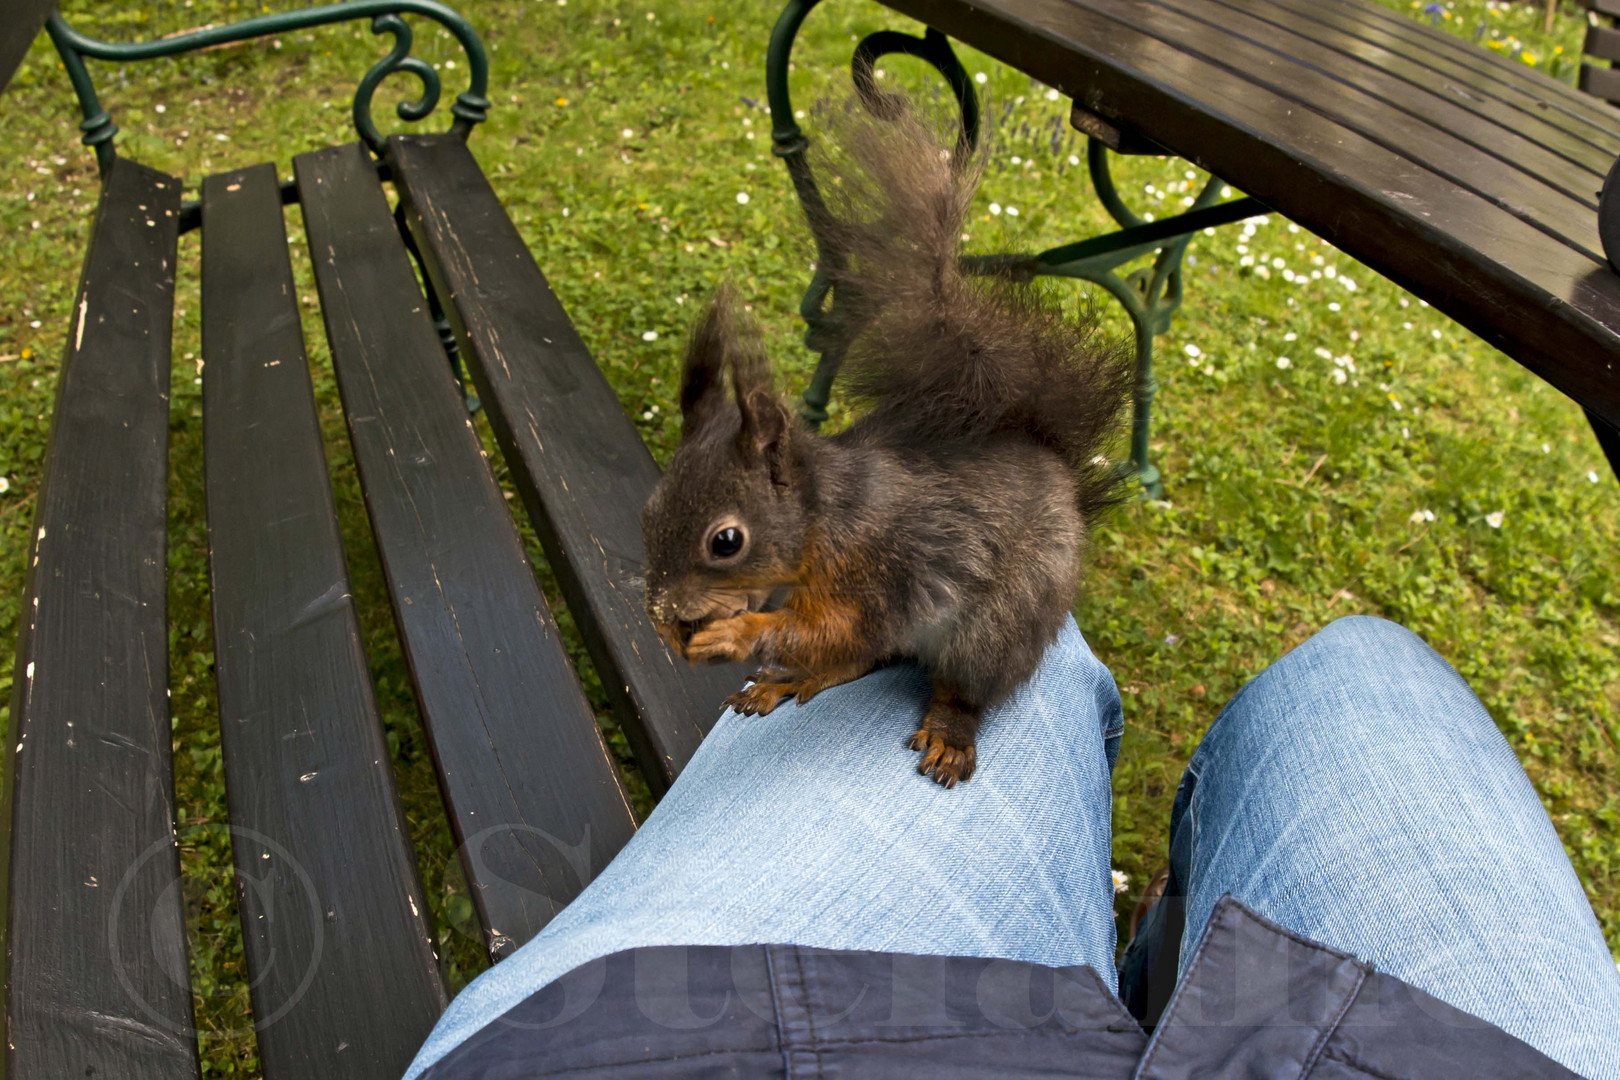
pixel 1331 445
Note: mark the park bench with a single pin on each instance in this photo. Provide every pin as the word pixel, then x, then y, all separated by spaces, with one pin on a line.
pixel 1463 175
pixel 338 937
pixel 1468 179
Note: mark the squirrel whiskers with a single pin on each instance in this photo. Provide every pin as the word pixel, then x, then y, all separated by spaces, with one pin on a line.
pixel 946 524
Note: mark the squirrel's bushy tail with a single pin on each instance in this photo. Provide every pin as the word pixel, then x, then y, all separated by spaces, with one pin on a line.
pixel 938 354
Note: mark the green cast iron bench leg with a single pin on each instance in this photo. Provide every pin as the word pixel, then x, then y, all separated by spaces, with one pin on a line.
pixel 1149 295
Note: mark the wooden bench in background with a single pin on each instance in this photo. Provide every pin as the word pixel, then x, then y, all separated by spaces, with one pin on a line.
pixel 1464 176
pixel 339 942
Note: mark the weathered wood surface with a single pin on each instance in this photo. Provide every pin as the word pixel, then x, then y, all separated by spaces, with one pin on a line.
pixel 1431 181
pixel 97 982
pixel 534 797
pixel 20 21
pixel 338 935
pixel 583 471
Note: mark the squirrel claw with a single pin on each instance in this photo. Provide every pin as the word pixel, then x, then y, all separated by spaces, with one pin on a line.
pixel 759 698
pixel 949 764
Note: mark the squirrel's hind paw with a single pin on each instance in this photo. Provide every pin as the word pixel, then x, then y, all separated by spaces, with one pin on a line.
pixel 949 764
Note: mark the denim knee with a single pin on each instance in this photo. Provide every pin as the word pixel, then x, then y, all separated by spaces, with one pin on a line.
pixel 1362 682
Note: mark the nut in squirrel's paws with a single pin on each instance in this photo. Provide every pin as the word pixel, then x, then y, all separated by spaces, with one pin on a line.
pixel 949 764
pixel 724 639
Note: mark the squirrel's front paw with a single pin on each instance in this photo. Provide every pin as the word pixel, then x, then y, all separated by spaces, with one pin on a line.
pixel 949 764
pixel 724 639
pixel 760 698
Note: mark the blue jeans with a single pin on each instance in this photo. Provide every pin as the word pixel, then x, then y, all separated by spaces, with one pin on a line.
pixel 1355 792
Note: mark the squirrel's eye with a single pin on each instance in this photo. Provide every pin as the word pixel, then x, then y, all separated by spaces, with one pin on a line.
pixel 726 543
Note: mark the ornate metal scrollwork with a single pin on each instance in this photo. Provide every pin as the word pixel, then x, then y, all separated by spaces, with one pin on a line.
pixel 398 59
pixel 826 330
pixel 469 108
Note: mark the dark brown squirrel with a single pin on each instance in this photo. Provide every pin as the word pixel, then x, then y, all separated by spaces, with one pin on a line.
pixel 946 524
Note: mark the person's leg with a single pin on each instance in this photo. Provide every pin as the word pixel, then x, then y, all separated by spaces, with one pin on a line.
pixel 811 827
pixel 1357 792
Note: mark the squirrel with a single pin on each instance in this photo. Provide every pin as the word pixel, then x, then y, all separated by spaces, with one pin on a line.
pixel 946 524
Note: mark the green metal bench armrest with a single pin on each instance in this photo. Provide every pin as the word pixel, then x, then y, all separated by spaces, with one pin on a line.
pixel 470 106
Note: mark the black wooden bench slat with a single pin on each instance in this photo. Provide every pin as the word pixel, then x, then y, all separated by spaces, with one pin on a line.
pixel 1424 142
pixel 1562 102
pixel 18 28
pixel 1514 124
pixel 1416 107
pixel 332 909
pixel 1600 81
pixel 1462 69
pixel 97 981
pixel 1602 42
pixel 535 799
pixel 1554 310
pixel 582 468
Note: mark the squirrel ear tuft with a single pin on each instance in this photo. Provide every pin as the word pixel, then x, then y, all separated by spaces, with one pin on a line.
pixel 703 388
pixel 724 340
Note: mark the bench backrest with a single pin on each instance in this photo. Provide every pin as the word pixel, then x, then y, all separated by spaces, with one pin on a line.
pixel 338 935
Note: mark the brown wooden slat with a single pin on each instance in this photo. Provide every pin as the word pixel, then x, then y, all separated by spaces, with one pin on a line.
pixel 1604 7
pixel 1468 67
pixel 339 942
pixel 583 471
pixel 1528 125
pixel 534 797
pixel 1280 66
pixel 96 972
pixel 1556 94
pixel 1554 310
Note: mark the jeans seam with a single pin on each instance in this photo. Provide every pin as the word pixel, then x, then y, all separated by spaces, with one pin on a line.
pixel 1191 823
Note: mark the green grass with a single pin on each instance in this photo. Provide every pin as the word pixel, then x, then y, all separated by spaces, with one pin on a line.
pixel 620 144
